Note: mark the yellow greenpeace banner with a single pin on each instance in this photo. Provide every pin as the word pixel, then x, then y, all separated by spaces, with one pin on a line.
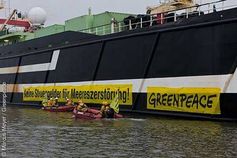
pixel 87 93
pixel 193 100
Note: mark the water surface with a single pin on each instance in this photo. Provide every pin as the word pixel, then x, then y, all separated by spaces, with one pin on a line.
pixel 36 133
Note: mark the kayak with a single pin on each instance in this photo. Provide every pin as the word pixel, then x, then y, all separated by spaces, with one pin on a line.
pixel 59 108
pixel 91 114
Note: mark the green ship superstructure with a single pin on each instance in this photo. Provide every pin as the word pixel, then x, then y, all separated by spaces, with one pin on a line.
pixel 98 24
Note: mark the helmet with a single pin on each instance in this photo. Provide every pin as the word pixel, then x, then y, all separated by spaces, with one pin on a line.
pixel 107 107
pixel 105 103
pixel 51 98
pixel 80 101
pixel 81 104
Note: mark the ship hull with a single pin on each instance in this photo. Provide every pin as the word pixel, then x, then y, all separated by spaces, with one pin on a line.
pixel 197 54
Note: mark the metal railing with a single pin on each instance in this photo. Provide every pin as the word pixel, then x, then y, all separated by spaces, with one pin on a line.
pixel 173 16
pixel 159 19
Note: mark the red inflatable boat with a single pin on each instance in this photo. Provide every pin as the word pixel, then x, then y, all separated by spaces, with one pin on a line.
pixel 58 108
pixel 91 114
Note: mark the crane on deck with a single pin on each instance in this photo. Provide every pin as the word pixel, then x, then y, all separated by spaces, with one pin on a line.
pixel 170 5
pixel 8 19
pixel 13 19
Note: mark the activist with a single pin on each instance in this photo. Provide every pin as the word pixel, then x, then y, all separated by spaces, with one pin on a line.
pixel 79 101
pixel 106 111
pixel 69 102
pixel 103 108
pixel 50 102
pixel 55 102
pixel 81 107
pixel 45 100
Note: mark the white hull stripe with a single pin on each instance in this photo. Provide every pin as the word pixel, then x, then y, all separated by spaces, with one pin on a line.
pixel 214 81
pixel 232 84
pixel 34 67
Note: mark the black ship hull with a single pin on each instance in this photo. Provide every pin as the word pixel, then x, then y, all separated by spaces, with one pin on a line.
pixel 192 54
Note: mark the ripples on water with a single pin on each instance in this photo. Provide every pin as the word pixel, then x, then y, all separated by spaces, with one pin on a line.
pixel 36 133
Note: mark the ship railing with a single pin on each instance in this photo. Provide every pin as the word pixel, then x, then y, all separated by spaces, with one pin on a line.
pixel 159 19
pixel 174 16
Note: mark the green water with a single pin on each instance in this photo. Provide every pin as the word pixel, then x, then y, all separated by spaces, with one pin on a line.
pixel 35 133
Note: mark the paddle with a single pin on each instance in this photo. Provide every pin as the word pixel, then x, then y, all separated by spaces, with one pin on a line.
pixel 115 104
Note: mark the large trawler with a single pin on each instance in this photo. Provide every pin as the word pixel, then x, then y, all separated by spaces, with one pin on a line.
pixel 178 59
